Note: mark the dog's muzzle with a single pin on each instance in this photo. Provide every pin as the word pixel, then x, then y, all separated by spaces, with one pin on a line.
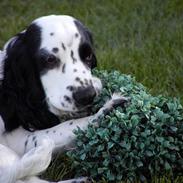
pixel 84 96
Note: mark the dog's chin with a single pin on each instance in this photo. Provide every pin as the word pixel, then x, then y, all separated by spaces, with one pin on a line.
pixel 66 114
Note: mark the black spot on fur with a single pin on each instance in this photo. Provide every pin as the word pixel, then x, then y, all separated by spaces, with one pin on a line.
pixel 33 138
pixel 47 131
pixel 86 82
pixel 75 70
pixel 91 82
pixel 81 82
pixel 71 123
pixel 55 50
pixel 68 99
pixel 78 79
pixel 63 104
pixel 63 46
pixel 54 131
pixel 72 56
pixel 70 88
pixel 63 68
pixel 26 143
pixel 51 34
pixel 35 143
pixel 76 35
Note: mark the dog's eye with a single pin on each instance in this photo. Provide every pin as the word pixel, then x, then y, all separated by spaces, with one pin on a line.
pixel 89 57
pixel 51 59
pixel 51 62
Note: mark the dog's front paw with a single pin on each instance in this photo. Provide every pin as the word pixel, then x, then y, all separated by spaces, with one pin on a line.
pixel 115 101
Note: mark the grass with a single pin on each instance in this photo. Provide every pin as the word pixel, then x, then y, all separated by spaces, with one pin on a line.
pixel 143 38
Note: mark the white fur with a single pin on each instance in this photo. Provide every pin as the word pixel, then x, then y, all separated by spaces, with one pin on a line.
pixel 54 81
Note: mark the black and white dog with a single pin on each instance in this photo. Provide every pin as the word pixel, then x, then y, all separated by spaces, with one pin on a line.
pixel 45 72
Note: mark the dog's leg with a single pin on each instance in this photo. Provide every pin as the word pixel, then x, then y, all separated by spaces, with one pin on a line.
pixel 37 180
pixel 35 160
pixel 13 167
pixel 62 134
pixel 8 160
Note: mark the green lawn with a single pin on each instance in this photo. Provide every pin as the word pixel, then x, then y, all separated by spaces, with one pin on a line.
pixel 143 38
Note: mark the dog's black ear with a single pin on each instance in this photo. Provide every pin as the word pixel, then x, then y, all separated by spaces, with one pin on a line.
pixel 22 98
pixel 90 37
pixel 84 31
pixel 86 36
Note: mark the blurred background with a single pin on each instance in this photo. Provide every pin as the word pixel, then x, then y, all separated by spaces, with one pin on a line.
pixel 143 38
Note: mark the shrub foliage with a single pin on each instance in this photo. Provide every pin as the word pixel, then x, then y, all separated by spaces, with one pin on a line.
pixel 142 140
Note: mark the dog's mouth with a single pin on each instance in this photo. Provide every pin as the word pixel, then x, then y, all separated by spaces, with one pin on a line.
pixel 80 113
pixel 77 112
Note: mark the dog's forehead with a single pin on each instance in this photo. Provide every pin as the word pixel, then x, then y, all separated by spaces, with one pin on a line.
pixel 57 30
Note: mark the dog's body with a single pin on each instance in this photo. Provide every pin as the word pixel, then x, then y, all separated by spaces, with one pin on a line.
pixel 45 72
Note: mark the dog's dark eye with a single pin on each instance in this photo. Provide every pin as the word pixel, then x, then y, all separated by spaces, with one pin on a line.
pixel 46 58
pixel 51 59
pixel 47 61
pixel 89 57
pixel 51 62
pixel 89 60
pixel 86 54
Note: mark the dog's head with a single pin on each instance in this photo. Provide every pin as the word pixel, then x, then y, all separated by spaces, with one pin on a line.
pixel 47 72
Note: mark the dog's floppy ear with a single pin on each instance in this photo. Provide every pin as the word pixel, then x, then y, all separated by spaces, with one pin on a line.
pixel 86 36
pixel 22 98
pixel 90 37
pixel 84 32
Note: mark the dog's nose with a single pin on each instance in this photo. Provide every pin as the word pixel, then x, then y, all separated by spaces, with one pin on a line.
pixel 84 96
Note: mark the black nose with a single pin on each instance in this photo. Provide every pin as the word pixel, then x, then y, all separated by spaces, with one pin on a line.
pixel 84 96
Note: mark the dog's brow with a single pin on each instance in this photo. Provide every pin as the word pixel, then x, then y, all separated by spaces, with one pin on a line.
pixel 71 41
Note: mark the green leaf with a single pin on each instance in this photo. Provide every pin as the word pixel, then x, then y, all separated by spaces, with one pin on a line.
pixel 110 145
pixel 167 166
pixel 149 153
pixel 83 156
pixel 173 128
pixel 139 163
pixel 110 175
pixel 142 146
pixel 100 148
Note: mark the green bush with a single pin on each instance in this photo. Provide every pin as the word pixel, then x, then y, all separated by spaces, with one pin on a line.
pixel 138 142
